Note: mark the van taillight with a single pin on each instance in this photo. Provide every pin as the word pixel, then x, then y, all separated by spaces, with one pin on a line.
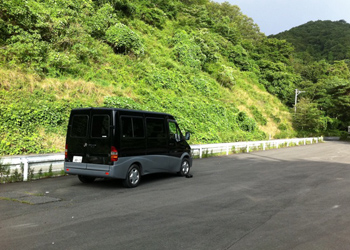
pixel 66 152
pixel 114 154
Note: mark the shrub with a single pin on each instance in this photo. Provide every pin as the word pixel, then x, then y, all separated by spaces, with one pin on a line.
pixel 240 57
pixel 246 123
pixel 226 77
pixel 59 63
pixel 124 40
pixel 205 85
pixel 229 30
pixel 164 78
pixel 187 51
pixel 102 19
pixel 26 48
pixel 154 16
pixel 258 116
pixel 282 126
pixel 121 102
pixel 124 7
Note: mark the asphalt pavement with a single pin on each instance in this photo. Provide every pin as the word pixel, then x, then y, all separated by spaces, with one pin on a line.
pixel 290 198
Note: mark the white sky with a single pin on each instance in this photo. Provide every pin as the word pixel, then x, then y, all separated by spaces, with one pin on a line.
pixel 275 16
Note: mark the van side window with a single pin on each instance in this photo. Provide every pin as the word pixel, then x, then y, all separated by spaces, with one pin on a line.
pixel 100 126
pixel 132 127
pixel 126 127
pixel 138 127
pixel 79 126
pixel 155 128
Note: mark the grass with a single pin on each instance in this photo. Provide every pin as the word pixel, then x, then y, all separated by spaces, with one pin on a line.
pixel 179 102
pixel 12 199
pixel 17 177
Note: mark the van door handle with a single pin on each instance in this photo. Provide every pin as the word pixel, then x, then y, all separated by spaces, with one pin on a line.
pixel 92 145
pixel 171 144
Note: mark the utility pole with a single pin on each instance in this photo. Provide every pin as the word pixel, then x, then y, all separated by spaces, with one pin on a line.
pixel 297 92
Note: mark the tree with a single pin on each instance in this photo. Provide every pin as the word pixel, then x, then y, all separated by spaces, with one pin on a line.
pixel 339 100
pixel 321 40
pixel 308 118
pixel 232 13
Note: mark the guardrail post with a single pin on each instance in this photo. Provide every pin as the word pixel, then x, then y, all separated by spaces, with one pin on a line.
pixel 247 147
pixel 25 168
pixel 227 150
pixel 304 141
pixel 200 152
pixel 264 146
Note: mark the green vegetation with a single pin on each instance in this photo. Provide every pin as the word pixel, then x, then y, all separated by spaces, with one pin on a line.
pixel 320 40
pixel 4 172
pixel 322 59
pixel 204 62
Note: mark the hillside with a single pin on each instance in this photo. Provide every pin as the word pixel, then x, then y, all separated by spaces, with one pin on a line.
pixel 319 40
pixel 322 60
pixel 204 62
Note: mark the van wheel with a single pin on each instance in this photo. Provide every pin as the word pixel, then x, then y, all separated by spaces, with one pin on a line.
pixel 133 178
pixel 185 167
pixel 86 179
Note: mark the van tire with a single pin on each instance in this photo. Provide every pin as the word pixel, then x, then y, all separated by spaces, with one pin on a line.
pixel 133 177
pixel 185 167
pixel 86 179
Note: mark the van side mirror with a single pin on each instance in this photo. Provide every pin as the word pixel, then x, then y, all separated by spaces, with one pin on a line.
pixel 187 136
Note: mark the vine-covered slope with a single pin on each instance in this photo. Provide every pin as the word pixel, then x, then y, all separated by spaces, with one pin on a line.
pixel 204 62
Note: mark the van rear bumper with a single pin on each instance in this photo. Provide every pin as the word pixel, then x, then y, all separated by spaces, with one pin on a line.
pixel 105 171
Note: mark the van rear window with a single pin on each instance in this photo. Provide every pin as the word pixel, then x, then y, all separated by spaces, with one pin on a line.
pixel 79 126
pixel 100 126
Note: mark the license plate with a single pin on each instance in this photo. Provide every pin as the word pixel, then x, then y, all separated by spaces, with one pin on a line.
pixel 78 159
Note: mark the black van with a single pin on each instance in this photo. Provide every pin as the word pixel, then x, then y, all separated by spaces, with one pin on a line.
pixel 124 144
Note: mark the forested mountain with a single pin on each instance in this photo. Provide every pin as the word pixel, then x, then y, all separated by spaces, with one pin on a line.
pixel 204 62
pixel 322 59
pixel 319 40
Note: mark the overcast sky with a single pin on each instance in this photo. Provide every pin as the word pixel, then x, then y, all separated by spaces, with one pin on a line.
pixel 275 16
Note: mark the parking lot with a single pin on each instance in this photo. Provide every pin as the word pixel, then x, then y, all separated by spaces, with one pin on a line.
pixel 290 198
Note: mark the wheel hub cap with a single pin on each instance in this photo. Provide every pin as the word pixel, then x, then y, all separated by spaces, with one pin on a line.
pixel 185 167
pixel 134 176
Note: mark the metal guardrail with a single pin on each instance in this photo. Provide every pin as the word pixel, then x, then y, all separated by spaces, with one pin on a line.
pixel 237 147
pixel 34 162
pixel 55 162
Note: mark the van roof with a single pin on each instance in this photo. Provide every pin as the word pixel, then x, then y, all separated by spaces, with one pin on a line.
pixel 119 109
